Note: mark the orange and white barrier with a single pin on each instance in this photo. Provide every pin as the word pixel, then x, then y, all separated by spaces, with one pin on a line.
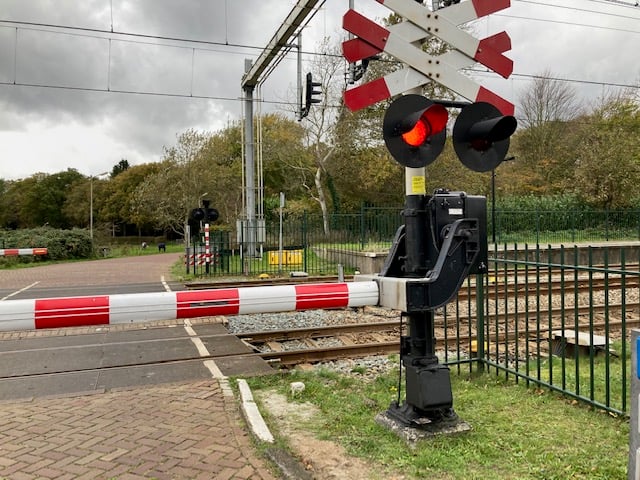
pixel 14 252
pixel 142 307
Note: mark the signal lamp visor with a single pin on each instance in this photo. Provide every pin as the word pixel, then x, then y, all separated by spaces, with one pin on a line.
pixel 414 130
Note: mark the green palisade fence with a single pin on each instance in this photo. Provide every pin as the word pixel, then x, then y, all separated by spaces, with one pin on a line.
pixel 554 317
pixel 558 318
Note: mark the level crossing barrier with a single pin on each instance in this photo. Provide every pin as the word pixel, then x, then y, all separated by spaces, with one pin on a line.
pixel 14 252
pixel 142 307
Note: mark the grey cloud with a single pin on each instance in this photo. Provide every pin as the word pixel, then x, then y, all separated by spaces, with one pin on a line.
pixel 140 125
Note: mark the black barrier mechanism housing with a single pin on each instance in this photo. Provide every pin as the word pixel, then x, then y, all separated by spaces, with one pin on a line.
pixel 454 244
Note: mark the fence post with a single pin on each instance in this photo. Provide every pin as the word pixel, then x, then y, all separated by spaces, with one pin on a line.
pixel 573 227
pixel 480 320
pixel 634 430
pixel 362 227
pixel 304 241
pixel 606 224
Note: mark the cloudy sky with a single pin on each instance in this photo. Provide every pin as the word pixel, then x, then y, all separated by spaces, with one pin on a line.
pixel 85 98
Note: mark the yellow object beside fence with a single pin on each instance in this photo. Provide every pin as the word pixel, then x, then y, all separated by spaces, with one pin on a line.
pixel 289 257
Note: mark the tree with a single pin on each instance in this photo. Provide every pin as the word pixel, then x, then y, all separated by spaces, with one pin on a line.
pixel 120 167
pixel 545 114
pixel 118 196
pixel 319 126
pixel 45 198
pixel 222 156
pixel 9 195
pixel 606 153
pixel 166 198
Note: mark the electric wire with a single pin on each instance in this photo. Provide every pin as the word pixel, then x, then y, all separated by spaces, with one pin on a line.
pixel 577 9
pixel 617 2
pixel 139 38
pixel 564 22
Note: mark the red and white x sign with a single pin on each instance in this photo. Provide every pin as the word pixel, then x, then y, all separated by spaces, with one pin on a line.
pixel 399 41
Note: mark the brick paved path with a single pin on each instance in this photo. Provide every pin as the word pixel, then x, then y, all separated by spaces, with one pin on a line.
pixel 172 431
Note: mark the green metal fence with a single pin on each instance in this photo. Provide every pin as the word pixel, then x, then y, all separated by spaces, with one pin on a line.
pixel 553 317
pixel 557 318
pixel 308 246
pixel 558 226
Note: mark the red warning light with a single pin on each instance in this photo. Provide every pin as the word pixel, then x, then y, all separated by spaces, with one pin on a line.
pixel 417 135
pixel 414 130
pixel 432 121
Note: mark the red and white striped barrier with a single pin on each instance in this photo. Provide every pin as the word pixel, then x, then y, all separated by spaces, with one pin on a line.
pixel 207 252
pixel 141 307
pixel 14 252
pixel 200 257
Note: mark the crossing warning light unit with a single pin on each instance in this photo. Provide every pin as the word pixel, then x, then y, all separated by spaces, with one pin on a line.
pixel 205 213
pixel 414 130
pixel 481 136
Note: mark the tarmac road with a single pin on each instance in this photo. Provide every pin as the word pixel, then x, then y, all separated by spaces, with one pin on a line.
pixel 138 274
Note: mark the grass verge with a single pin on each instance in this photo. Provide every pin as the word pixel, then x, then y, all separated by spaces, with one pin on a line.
pixel 518 433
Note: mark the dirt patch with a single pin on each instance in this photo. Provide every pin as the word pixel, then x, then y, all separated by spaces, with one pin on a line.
pixel 322 458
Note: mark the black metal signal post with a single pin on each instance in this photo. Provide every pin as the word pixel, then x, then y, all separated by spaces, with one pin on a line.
pixel 442 241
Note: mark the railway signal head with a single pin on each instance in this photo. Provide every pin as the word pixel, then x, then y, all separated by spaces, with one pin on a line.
pixel 481 136
pixel 212 214
pixel 414 130
pixel 205 213
pixel 309 95
pixel 198 214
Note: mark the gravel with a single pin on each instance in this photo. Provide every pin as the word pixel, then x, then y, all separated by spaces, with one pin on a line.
pixel 367 367
pixel 262 322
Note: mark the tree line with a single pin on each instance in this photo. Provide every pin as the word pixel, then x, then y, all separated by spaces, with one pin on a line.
pixel 335 161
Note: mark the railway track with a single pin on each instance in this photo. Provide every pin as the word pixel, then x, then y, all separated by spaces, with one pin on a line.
pixel 381 337
pixel 316 344
pixel 274 345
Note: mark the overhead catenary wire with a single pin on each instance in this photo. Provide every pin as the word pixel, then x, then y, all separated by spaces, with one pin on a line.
pixel 139 38
pixel 579 9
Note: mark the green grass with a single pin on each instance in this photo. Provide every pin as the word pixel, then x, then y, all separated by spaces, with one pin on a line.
pixel 517 433
pixel 599 378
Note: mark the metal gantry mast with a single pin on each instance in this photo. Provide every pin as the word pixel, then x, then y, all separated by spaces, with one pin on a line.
pixel 255 73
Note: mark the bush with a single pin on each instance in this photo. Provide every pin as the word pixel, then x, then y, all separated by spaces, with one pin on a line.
pixel 60 244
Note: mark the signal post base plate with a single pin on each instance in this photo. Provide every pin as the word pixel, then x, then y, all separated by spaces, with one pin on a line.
pixel 412 434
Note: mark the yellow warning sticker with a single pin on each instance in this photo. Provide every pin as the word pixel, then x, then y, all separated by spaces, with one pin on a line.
pixel 418 185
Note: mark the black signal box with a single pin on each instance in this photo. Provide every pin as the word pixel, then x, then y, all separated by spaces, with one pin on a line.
pixel 447 207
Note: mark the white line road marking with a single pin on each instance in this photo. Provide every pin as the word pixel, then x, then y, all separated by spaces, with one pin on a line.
pixel 19 291
pixel 165 284
pixel 209 364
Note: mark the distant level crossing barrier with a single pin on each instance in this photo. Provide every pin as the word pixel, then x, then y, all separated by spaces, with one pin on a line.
pixel 14 252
